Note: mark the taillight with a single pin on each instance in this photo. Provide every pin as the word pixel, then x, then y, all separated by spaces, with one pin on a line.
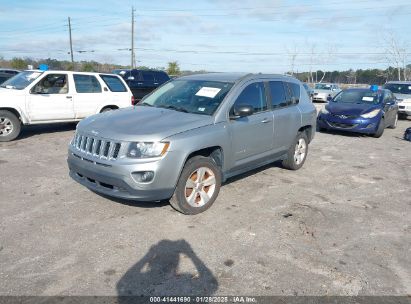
pixel 133 101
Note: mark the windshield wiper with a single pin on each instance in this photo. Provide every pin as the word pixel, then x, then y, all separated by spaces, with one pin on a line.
pixel 171 107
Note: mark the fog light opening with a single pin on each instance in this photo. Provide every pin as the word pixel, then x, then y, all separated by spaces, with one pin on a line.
pixel 143 176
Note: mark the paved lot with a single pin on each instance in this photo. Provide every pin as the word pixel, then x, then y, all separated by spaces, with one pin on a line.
pixel 341 225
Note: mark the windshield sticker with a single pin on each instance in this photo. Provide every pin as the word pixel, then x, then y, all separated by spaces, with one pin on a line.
pixel 367 98
pixel 409 87
pixel 201 109
pixel 33 75
pixel 208 92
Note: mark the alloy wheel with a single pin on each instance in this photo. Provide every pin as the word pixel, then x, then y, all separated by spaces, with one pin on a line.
pixel 300 151
pixel 6 126
pixel 200 187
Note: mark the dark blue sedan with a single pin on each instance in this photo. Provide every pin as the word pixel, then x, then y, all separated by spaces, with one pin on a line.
pixel 367 111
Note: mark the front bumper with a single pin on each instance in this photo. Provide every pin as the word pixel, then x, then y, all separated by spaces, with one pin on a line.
pixel 320 97
pixel 357 124
pixel 116 179
pixel 404 108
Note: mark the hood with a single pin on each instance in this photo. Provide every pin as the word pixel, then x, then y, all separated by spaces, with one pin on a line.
pixel 4 91
pixel 350 109
pixel 322 91
pixel 142 123
pixel 403 97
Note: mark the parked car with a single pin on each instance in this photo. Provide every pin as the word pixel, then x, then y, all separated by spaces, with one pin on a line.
pixel 323 90
pixel 309 90
pixel 191 134
pixel 143 82
pixel 6 74
pixel 365 111
pixel 402 91
pixel 36 97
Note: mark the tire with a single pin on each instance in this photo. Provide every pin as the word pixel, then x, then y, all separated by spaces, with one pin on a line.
pixel 191 196
pixel 10 126
pixel 395 122
pixel 297 153
pixel 380 130
pixel 402 116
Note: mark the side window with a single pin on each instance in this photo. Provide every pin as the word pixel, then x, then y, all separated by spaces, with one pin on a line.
pixel 295 91
pixel 253 95
pixel 52 84
pixel 148 76
pixel 114 83
pixel 86 84
pixel 278 94
pixel 161 77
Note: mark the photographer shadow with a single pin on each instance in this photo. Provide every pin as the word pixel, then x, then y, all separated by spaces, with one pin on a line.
pixel 170 268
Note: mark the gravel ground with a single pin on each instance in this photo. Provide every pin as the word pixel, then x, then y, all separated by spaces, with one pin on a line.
pixel 339 226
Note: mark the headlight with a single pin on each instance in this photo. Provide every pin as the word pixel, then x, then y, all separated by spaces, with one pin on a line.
pixel 371 114
pixel 147 149
pixel 324 111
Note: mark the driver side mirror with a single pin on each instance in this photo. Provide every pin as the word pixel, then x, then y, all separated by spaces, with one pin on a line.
pixel 329 98
pixel 242 111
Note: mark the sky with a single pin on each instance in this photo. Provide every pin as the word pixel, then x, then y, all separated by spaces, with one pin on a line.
pixel 215 35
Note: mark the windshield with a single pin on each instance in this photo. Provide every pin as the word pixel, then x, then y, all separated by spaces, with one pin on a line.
pixel 191 96
pixel 398 88
pixel 323 86
pixel 21 80
pixel 358 96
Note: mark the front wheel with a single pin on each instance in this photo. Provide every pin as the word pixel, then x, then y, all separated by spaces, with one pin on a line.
pixel 198 186
pixel 395 122
pixel 297 153
pixel 10 126
pixel 380 130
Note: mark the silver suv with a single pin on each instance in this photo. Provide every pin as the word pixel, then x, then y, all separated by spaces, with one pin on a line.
pixel 181 142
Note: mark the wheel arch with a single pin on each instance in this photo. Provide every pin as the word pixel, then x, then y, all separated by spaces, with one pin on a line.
pixel 308 129
pixel 112 106
pixel 15 112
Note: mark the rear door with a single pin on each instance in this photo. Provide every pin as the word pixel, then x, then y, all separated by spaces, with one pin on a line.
pixel 284 98
pixel 149 82
pixel 88 95
pixel 51 98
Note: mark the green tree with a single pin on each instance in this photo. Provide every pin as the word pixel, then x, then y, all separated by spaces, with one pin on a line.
pixel 18 63
pixel 87 67
pixel 173 68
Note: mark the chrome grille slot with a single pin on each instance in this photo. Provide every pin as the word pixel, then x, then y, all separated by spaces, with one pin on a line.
pixel 116 150
pixel 96 147
pixel 106 149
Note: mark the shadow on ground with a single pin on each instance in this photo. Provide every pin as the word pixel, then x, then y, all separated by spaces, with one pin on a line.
pixel 28 131
pixel 168 268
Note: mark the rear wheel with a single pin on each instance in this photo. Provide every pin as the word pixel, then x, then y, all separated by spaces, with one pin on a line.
pixel 10 126
pixel 380 130
pixel 197 187
pixel 297 153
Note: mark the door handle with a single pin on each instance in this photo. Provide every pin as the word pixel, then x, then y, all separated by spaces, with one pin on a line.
pixel 69 97
pixel 265 120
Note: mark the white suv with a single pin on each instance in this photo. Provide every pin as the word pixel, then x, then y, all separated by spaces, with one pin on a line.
pixel 36 97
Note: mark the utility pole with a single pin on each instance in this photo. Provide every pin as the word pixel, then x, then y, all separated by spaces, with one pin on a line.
pixel 132 37
pixel 71 42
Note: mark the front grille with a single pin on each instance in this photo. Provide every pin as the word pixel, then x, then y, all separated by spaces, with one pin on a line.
pixel 96 147
pixel 342 116
pixel 342 125
pixel 402 107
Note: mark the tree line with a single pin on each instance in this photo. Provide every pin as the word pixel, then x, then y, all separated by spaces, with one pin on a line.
pixel 360 76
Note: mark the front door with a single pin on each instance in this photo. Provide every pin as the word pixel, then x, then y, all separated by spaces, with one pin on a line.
pixel 49 99
pixel 252 136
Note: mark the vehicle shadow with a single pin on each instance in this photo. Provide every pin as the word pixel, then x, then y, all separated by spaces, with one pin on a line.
pixel 29 131
pixel 343 133
pixel 169 268
pixel 276 164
